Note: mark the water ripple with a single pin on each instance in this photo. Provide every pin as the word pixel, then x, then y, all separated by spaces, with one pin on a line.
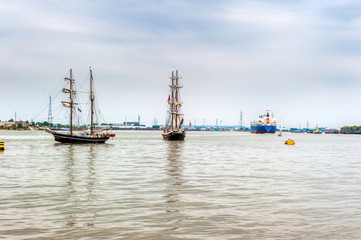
pixel 214 185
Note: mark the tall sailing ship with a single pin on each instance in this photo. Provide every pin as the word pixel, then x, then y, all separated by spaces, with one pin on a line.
pixel 264 124
pixel 173 129
pixel 88 136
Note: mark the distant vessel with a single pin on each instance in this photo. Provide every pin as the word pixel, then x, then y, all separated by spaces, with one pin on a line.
pixel 264 124
pixel 173 129
pixel 317 131
pixel 280 132
pixel 90 136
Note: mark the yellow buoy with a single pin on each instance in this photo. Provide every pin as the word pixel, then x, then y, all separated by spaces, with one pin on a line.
pixel 290 142
pixel 2 146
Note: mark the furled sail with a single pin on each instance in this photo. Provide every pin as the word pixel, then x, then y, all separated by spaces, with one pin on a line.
pixel 69 79
pixel 175 86
pixel 175 113
pixel 68 104
pixel 68 91
pixel 175 103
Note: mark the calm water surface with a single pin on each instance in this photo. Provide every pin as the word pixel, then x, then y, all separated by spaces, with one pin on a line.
pixel 214 185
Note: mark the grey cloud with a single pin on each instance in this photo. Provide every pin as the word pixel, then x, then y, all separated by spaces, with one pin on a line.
pixel 233 55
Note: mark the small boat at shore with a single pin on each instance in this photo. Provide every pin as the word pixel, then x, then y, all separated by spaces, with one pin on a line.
pixel 280 132
pixel 173 129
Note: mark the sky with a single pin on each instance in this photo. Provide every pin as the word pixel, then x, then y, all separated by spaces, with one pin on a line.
pixel 300 59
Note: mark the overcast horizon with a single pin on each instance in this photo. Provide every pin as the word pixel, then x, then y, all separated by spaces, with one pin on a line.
pixel 300 59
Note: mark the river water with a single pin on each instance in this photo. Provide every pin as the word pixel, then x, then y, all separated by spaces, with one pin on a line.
pixel 214 185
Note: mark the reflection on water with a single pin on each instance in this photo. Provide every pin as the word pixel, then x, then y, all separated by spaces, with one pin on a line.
pixel 76 184
pixel 91 173
pixel 174 182
pixel 214 185
pixel 71 192
pixel 69 164
pixel 91 183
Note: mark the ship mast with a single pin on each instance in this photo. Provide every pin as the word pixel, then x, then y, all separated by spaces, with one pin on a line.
pixel 71 104
pixel 173 120
pixel 71 101
pixel 91 101
pixel 176 99
pixel 172 102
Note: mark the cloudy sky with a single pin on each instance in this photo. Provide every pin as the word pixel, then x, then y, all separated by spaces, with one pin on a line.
pixel 301 59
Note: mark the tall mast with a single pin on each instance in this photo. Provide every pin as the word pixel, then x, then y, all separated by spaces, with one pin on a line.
pixel 176 99
pixel 71 101
pixel 172 104
pixel 173 118
pixel 91 101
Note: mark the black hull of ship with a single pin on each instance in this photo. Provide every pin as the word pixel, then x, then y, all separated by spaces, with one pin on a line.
pixel 65 138
pixel 174 136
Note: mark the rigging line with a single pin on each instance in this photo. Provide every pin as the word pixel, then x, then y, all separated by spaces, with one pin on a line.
pixel 45 103
pixel 52 99
pixel 101 115
pixel 59 108
pixel 85 79
pixel 97 105
pixel 87 116
pixel 84 90
pixel 43 109
pixel 57 87
pixel 44 106
pixel 101 118
pixel 80 117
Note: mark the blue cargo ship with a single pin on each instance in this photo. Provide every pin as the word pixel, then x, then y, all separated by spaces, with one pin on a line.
pixel 264 124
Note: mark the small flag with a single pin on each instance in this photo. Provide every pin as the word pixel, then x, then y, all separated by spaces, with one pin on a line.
pixel 168 98
pixel 190 124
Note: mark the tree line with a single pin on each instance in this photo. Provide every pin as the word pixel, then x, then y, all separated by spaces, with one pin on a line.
pixel 351 129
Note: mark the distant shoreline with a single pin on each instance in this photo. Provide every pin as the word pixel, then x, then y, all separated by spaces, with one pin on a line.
pixel 193 130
